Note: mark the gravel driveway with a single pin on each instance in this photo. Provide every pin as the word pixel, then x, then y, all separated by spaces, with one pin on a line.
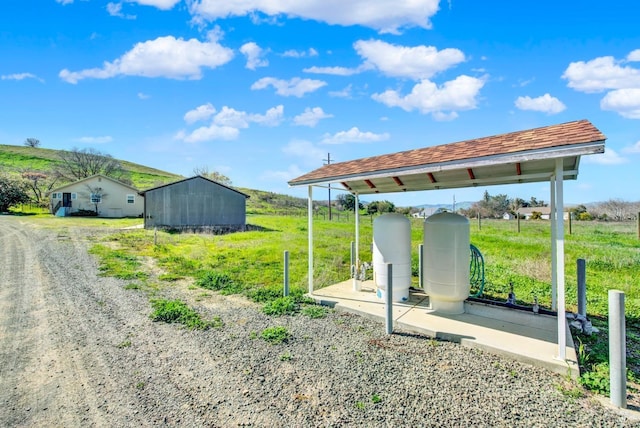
pixel 81 350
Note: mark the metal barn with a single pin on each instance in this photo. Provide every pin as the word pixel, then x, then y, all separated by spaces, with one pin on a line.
pixel 195 203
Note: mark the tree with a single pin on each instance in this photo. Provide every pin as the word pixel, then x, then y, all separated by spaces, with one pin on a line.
pixel 348 202
pixel 380 207
pixel 32 142
pixel 82 163
pixel 11 193
pixel 213 175
pixel 39 183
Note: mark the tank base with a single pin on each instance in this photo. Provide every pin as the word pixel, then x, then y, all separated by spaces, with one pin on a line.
pixel 401 295
pixel 447 307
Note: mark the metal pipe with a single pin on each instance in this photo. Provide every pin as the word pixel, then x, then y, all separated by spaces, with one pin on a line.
pixel 286 273
pixel 389 299
pixel 554 250
pixel 617 350
pixel 582 287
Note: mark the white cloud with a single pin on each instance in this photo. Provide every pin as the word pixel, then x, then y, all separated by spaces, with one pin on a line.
pixel 609 157
pixel 634 55
pixel 115 9
pixel 336 71
pixel 354 135
pixel 160 4
pixel 426 97
pixel 254 54
pixel 94 140
pixel 308 153
pixel 626 102
pixel 292 172
pixel 20 76
pixel 199 113
pixel 209 133
pixel 311 116
pixel 296 87
pixel 545 103
pixel 64 2
pixel 163 57
pixel 300 54
pixel 273 116
pixel 419 62
pixel 344 93
pixel 143 96
pixel 601 74
pixel 633 149
pixel 385 16
pixel 225 124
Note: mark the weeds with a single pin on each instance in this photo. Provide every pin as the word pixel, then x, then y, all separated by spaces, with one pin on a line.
pixel 176 311
pixel 314 311
pixel 276 335
pixel 281 306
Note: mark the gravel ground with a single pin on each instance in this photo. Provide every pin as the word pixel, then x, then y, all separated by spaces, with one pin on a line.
pixel 81 350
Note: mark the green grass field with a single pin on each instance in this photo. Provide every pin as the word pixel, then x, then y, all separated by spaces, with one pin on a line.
pixel 251 263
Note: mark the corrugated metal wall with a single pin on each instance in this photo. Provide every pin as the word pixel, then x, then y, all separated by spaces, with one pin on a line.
pixel 194 202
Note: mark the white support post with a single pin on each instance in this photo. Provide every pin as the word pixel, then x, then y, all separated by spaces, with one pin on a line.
pixel 310 232
pixel 357 216
pixel 562 322
pixel 554 249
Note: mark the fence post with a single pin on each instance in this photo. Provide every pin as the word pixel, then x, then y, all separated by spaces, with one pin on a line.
pixel 479 223
pixel 389 299
pixel 638 225
pixel 518 215
pixel 155 236
pixel 286 273
pixel 582 287
pixel 617 350
pixel 570 229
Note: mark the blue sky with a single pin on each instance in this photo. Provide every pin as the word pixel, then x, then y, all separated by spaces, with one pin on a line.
pixel 263 90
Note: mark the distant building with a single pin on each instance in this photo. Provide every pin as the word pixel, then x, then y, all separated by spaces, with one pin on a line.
pixel 508 216
pixel 545 212
pixel 106 196
pixel 426 212
pixel 195 203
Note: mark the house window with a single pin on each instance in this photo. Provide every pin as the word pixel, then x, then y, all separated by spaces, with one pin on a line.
pixel 96 198
pixel 131 199
pixel 74 196
pixel 54 195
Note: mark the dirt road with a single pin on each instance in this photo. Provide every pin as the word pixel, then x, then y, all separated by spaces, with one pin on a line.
pixel 55 369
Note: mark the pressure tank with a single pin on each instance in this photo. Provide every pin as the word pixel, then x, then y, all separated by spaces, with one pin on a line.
pixel 392 244
pixel 446 262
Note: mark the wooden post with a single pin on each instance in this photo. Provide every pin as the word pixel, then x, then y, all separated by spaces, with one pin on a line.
pixel 570 230
pixel 639 225
pixel 479 224
pixel 518 215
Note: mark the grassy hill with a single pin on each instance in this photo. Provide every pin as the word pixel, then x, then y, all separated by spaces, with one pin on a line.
pixel 17 158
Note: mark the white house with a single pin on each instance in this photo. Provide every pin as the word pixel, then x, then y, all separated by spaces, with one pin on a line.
pixel 527 212
pixel 98 193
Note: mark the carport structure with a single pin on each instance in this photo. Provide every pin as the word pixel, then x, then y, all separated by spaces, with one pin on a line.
pixel 547 154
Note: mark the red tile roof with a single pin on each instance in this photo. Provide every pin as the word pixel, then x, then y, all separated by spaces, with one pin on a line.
pixel 548 137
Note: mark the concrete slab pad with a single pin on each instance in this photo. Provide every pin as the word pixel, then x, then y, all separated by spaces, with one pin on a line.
pixel 522 336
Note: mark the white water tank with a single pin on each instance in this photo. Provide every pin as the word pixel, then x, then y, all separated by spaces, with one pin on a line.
pixel 446 260
pixel 392 244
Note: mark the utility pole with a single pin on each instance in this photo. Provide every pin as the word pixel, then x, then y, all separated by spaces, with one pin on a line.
pixel 328 162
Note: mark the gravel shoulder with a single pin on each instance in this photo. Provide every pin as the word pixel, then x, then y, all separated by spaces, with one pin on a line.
pixel 81 350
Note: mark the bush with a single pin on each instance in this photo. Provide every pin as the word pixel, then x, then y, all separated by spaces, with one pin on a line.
pixel 83 213
pixel 11 193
